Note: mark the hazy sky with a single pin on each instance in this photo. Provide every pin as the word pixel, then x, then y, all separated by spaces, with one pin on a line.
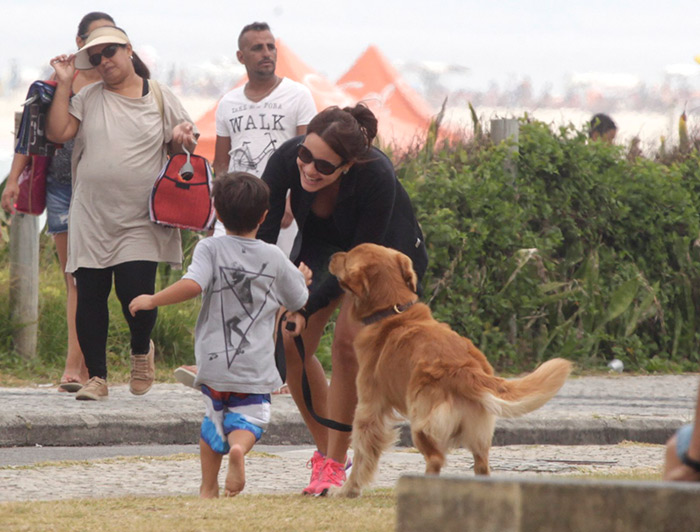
pixel 503 40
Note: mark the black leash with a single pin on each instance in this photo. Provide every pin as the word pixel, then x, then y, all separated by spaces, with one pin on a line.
pixel 305 389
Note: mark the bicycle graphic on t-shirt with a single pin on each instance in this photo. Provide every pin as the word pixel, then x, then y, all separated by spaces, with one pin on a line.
pixel 244 161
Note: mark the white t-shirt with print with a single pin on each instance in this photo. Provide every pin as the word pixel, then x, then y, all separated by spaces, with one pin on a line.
pixel 257 129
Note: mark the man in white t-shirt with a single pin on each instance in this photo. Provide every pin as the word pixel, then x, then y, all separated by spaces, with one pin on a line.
pixel 254 119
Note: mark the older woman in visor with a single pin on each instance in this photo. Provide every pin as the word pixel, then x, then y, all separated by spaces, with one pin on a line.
pixel 124 126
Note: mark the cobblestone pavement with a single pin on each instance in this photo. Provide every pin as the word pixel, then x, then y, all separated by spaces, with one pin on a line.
pixel 283 470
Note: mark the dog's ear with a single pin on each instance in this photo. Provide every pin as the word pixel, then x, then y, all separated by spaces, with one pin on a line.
pixel 356 281
pixel 406 267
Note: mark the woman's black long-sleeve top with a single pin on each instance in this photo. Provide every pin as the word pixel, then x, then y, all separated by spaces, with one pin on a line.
pixel 372 206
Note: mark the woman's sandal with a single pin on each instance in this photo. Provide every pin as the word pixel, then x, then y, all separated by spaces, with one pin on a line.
pixel 70 386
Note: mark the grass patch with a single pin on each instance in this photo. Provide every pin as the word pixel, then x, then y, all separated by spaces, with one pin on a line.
pixel 375 511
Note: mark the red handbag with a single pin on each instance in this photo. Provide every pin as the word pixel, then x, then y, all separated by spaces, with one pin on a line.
pixel 181 195
pixel 32 186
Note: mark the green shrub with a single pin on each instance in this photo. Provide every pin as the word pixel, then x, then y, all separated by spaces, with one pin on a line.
pixel 582 254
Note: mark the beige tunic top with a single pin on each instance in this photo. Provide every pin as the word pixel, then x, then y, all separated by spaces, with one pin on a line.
pixel 119 151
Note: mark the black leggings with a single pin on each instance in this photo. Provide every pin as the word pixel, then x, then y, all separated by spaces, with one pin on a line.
pixel 92 315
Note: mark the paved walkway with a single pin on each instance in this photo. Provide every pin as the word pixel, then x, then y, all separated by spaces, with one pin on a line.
pixel 578 430
pixel 587 410
pixel 283 470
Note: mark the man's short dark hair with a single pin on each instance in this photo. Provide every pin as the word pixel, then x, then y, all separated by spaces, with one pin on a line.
pixel 255 26
pixel 240 200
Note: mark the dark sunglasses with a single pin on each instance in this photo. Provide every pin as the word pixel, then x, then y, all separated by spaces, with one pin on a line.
pixel 107 51
pixel 323 166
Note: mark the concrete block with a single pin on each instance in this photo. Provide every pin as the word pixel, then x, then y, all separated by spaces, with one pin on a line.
pixel 447 504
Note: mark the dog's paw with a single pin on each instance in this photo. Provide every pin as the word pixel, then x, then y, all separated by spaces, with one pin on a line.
pixel 344 491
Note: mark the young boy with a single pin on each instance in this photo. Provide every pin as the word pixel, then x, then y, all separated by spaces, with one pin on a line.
pixel 244 282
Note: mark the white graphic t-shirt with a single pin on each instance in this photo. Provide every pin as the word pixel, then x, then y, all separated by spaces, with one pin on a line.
pixel 256 129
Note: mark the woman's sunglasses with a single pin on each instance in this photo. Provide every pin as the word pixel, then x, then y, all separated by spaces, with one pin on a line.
pixel 323 166
pixel 107 51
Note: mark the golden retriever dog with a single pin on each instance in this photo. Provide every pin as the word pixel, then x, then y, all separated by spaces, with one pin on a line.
pixel 414 365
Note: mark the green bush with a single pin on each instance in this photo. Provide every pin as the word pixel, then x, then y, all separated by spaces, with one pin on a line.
pixel 581 253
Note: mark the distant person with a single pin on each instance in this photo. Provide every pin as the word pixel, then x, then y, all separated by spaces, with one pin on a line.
pixel 244 282
pixel 122 139
pixel 683 451
pixel 343 192
pixel 251 123
pixel 58 195
pixel 603 128
pixel 254 119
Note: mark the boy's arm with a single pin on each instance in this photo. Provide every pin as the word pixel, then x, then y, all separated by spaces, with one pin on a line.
pixel 182 290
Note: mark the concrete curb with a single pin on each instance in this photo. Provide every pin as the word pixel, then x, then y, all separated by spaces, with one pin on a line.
pixel 69 430
pixel 446 504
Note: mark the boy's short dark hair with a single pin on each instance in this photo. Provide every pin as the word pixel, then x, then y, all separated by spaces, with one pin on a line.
pixel 240 200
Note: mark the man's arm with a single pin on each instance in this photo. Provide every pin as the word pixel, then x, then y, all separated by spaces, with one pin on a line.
pixel 301 130
pixel 221 155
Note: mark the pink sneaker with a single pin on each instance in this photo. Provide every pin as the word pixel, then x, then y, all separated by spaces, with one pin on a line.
pixel 332 474
pixel 315 463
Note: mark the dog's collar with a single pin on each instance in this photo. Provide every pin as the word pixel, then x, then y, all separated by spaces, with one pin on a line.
pixel 396 309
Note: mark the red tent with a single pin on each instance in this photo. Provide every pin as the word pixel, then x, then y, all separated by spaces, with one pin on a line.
pixel 289 65
pixel 403 115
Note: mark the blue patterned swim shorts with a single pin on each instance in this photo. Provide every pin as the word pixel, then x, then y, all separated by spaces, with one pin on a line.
pixel 229 411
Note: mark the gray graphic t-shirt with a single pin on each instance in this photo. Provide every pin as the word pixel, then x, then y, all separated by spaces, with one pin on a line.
pixel 244 282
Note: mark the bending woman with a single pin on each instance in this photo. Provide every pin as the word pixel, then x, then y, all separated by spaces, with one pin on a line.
pixel 58 194
pixel 343 192
pixel 122 137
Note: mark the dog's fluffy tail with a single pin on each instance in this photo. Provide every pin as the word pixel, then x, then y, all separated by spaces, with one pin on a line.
pixel 515 397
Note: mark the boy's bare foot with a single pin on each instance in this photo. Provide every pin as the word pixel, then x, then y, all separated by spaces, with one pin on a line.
pixel 209 492
pixel 235 478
